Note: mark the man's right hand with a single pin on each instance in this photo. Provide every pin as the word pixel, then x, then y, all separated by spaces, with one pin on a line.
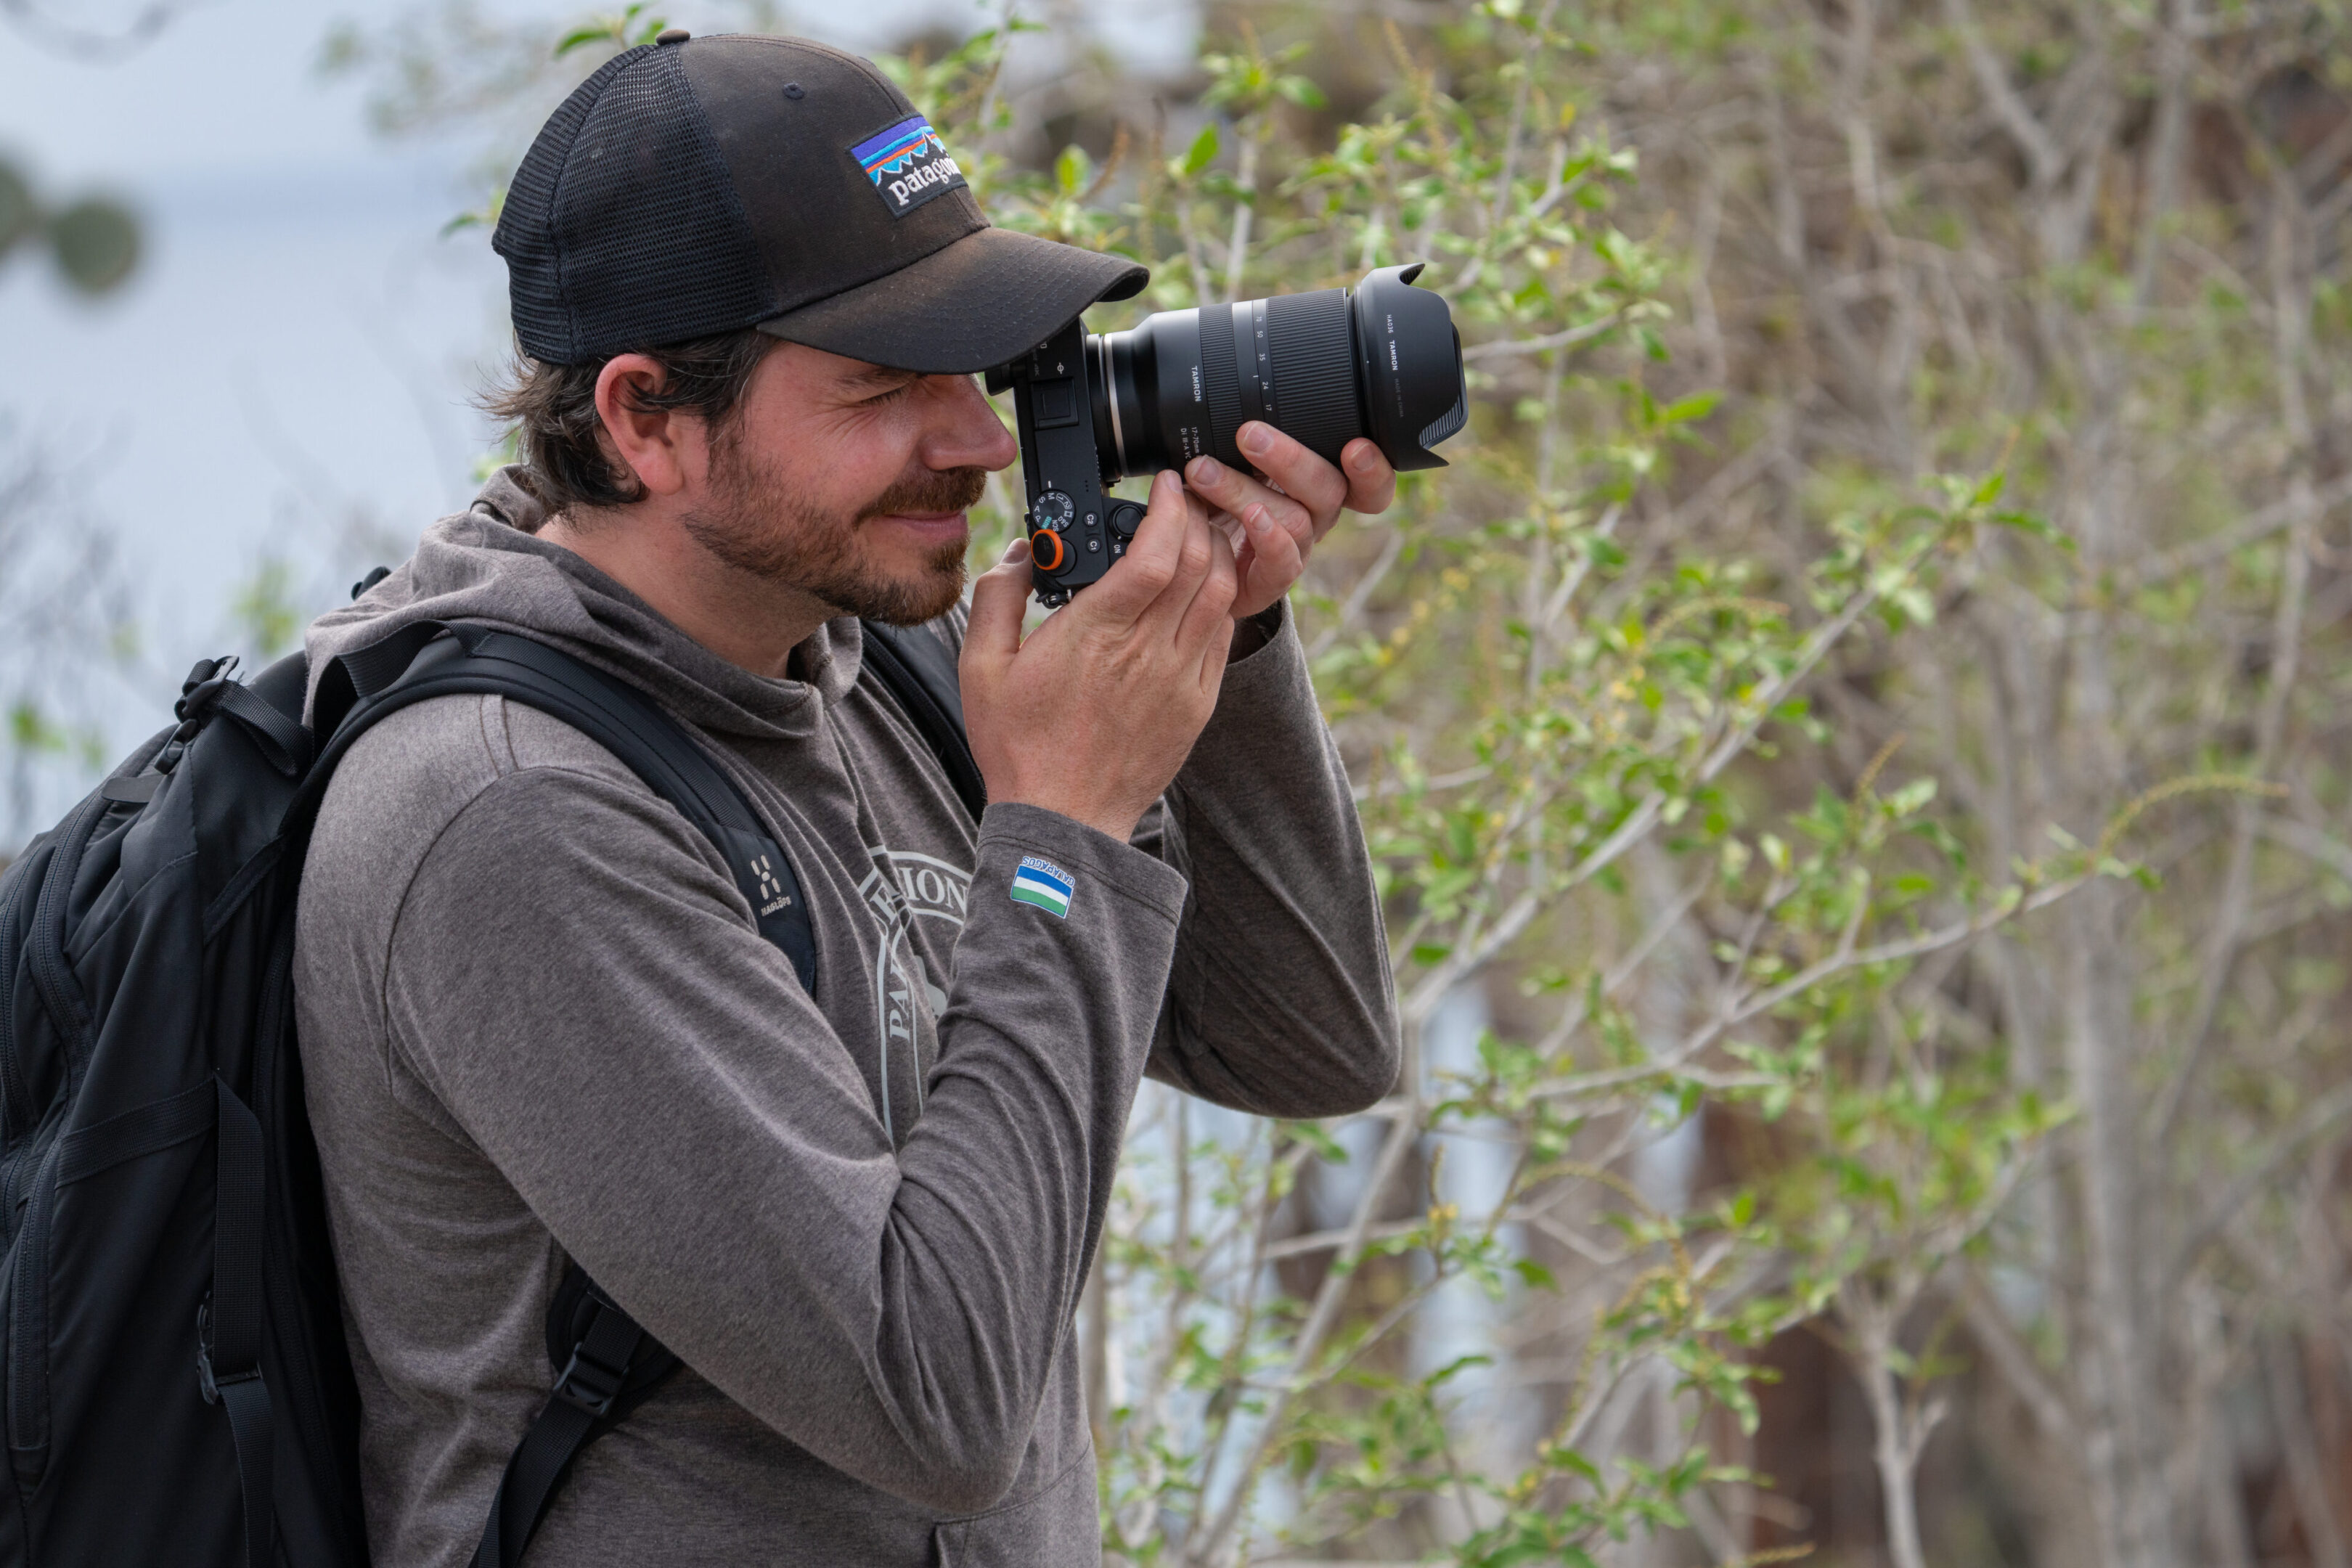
pixel 1092 716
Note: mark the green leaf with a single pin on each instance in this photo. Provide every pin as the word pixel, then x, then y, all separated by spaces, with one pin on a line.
pixel 1910 797
pixel 2039 526
pixel 1203 151
pixel 1576 1463
pixel 265 606
pixel 580 38
pixel 30 729
pixel 1697 405
pixel 1302 91
pixel 1316 1136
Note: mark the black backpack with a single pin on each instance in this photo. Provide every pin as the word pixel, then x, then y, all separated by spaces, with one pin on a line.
pixel 173 1369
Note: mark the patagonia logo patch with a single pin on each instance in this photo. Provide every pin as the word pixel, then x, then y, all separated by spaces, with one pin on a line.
pixel 909 164
pixel 1044 884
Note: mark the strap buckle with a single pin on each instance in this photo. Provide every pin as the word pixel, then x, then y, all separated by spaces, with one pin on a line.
pixel 208 1382
pixel 587 1384
pixel 201 693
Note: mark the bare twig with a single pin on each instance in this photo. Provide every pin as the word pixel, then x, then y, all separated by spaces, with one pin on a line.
pixel 1988 1323
pixel 2318 1117
pixel 2043 155
pixel 1569 338
pixel 76 42
pixel 2291 315
pixel 1211 1549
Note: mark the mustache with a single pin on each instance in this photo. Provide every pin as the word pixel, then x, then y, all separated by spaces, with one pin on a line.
pixel 931 489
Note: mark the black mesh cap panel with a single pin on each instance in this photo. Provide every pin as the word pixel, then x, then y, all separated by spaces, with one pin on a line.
pixel 701 185
pixel 526 231
pixel 642 189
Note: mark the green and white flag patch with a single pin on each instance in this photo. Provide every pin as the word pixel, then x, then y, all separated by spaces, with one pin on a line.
pixel 1044 884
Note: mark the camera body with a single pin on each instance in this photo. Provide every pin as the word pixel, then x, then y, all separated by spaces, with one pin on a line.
pixel 1077 527
pixel 1383 360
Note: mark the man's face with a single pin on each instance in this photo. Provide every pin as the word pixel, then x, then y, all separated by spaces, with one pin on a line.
pixel 849 482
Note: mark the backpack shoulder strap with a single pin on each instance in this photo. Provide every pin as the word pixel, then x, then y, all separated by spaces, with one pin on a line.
pixel 607 1363
pixel 608 1367
pixel 921 674
pixel 429 659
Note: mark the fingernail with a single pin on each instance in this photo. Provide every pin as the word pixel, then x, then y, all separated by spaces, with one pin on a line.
pixel 1207 470
pixel 1255 438
pixel 1255 519
pixel 1169 482
pixel 1361 462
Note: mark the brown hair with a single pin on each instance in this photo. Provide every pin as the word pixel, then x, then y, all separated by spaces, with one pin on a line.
pixel 558 431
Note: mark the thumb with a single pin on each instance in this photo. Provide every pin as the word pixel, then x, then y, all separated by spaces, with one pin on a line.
pixel 999 601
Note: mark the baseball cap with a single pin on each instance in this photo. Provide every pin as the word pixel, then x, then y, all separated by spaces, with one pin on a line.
pixel 700 186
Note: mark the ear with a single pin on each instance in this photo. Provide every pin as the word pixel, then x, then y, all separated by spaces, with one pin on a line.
pixel 652 443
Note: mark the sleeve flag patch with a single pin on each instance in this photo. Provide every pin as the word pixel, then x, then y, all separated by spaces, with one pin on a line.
pixel 1044 884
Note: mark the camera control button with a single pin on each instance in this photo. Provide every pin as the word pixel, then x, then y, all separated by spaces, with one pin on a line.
pixel 1124 518
pixel 1046 548
pixel 1054 510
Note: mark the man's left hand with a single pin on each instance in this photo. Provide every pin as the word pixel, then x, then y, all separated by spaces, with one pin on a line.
pixel 1275 523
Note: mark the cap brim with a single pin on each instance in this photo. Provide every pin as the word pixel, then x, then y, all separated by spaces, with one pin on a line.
pixel 971 306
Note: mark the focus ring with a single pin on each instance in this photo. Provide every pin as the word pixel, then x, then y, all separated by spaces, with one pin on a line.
pixel 1314 369
pixel 1219 385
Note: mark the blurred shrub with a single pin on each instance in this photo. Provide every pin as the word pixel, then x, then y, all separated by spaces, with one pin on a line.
pixel 94 242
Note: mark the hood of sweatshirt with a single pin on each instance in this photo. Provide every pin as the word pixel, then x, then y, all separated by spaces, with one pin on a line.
pixel 488 564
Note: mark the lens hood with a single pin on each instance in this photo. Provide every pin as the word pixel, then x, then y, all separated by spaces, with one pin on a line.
pixel 1409 366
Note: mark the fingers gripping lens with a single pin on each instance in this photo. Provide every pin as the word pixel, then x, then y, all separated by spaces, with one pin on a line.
pixel 1381 360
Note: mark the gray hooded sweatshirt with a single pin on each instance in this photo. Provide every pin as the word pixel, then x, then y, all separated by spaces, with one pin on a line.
pixel 539 1025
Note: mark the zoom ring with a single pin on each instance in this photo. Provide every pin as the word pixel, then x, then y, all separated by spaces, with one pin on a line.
pixel 1221 385
pixel 1314 369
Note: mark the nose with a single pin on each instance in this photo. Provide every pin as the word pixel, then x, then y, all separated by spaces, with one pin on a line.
pixel 967 432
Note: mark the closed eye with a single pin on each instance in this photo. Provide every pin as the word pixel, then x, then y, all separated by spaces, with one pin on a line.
pixel 898 385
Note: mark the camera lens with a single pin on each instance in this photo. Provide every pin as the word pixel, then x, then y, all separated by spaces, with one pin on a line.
pixel 1324 367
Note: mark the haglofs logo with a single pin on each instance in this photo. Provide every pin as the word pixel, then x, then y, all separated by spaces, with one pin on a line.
pixel 908 164
pixel 773 896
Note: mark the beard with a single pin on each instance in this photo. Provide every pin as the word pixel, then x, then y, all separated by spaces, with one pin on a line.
pixel 755 524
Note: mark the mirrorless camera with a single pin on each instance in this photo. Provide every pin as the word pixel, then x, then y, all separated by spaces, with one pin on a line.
pixel 1381 360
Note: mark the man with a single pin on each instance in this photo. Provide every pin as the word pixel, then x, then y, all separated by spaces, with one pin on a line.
pixel 538 1025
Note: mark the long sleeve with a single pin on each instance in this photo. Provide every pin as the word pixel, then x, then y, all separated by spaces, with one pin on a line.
pixel 593 1010
pixel 1280 1000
